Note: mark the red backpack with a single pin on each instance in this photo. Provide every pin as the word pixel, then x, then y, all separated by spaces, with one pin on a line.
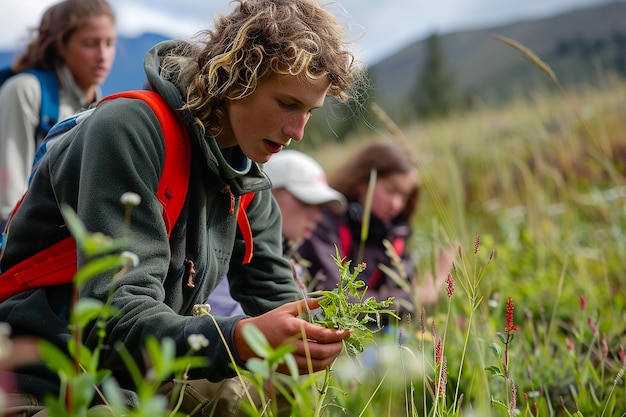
pixel 57 264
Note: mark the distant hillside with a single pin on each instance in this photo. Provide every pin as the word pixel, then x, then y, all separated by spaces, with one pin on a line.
pixel 576 45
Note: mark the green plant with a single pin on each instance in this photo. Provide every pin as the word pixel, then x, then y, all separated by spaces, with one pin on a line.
pixel 82 378
pixel 346 306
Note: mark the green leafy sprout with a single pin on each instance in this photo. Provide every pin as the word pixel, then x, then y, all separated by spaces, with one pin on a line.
pixel 346 307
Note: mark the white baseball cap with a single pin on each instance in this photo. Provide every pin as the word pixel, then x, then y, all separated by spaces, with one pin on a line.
pixel 305 179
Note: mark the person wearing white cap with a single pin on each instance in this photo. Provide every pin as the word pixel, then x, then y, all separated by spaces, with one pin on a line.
pixel 300 188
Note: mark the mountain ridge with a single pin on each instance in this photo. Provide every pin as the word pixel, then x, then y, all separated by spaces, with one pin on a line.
pixel 484 65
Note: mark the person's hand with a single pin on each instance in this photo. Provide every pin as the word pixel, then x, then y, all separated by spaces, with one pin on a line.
pixel 444 262
pixel 427 290
pixel 316 346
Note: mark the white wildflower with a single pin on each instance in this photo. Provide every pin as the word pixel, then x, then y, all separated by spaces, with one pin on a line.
pixel 201 310
pixel 130 259
pixel 197 342
pixel 130 199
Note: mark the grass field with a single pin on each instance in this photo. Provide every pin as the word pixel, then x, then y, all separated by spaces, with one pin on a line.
pixel 534 196
pixel 533 320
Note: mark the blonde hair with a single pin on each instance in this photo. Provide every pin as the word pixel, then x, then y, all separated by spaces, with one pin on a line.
pixel 58 23
pixel 258 39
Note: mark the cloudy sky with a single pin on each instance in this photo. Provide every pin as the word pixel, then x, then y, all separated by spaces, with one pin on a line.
pixel 380 27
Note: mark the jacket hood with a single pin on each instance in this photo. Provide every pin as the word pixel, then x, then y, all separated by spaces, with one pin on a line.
pixel 240 173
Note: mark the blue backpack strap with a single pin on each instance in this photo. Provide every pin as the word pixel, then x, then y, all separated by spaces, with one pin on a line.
pixel 5 74
pixel 49 109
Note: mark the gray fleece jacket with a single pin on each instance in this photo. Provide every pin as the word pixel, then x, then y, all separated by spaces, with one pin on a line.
pixel 120 148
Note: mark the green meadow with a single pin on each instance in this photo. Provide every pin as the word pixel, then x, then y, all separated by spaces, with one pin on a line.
pixel 533 194
pixel 532 321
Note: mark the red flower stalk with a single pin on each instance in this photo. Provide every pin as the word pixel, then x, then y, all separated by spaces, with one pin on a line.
pixel 444 377
pixel 423 320
pixel 593 327
pixel 438 352
pixel 450 282
pixel 569 344
pixel 510 327
pixel 583 302
pixel 477 244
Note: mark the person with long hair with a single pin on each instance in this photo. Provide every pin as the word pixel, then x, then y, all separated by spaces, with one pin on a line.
pixel 394 199
pixel 76 42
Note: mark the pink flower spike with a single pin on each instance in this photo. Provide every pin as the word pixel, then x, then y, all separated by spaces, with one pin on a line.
pixel 444 377
pixel 438 351
pixel 477 244
pixel 593 327
pixel 450 282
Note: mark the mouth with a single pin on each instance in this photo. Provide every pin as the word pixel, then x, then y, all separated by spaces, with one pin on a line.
pixel 101 72
pixel 273 147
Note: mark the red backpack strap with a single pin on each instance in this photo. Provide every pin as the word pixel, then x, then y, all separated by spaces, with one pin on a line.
pixel 398 245
pixel 345 240
pixel 244 225
pixel 56 264
pixel 174 181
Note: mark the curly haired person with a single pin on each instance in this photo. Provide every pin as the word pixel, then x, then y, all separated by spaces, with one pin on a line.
pixel 244 90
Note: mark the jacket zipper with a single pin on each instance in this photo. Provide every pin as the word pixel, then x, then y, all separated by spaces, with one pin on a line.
pixel 227 189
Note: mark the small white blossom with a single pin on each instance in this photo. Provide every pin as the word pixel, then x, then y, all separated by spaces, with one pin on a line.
pixel 130 199
pixel 201 310
pixel 130 259
pixel 197 342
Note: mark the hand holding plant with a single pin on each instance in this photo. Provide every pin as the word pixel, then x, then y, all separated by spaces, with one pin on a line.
pixel 346 307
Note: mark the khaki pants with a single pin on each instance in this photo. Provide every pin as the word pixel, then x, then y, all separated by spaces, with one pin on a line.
pixel 207 399
pixel 201 398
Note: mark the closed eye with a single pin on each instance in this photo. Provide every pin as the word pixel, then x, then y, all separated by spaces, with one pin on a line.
pixel 287 105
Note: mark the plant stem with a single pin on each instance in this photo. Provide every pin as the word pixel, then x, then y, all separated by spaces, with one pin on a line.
pixel 458 381
pixel 323 391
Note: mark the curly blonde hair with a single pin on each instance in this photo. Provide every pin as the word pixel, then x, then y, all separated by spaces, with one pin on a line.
pixel 258 39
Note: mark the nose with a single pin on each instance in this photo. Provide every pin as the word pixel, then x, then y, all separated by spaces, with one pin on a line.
pixel 315 213
pixel 397 203
pixel 295 126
